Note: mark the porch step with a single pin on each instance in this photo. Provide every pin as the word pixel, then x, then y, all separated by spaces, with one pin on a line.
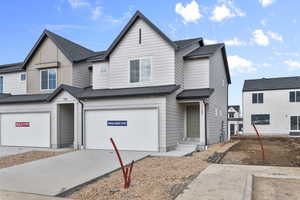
pixel 186 147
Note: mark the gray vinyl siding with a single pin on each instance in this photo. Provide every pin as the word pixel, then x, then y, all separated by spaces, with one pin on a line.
pixel 196 73
pixel 218 101
pixel 179 64
pixel 81 76
pixel 175 120
pixel 153 46
pixel 100 79
pixel 135 103
pixel 13 84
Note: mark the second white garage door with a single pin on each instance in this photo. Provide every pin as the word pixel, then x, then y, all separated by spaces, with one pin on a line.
pixel 134 129
pixel 25 129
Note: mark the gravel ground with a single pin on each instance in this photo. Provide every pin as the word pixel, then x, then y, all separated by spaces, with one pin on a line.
pixel 152 178
pixel 279 151
pixel 17 159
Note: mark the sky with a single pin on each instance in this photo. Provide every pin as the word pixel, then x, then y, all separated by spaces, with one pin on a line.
pixel 262 37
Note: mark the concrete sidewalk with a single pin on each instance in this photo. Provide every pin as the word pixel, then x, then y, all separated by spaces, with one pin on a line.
pixel 5 195
pixel 55 175
pixel 228 182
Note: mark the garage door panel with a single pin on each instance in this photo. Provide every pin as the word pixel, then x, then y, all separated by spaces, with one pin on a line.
pixel 34 132
pixel 140 133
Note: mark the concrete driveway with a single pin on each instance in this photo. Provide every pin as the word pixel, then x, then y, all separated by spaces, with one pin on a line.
pixel 8 151
pixel 55 175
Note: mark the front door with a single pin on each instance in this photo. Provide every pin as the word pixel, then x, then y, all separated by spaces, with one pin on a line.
pixel 193 121
pixel 231 129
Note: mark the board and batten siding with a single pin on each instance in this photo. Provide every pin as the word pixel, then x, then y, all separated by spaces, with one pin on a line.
pixel 135 103
pixel 13 84
pixel 47 52
pixel 100 78
pixel 277 104
pixel 152 46
pixel 81 74
pixel 218 101
pixel 196 73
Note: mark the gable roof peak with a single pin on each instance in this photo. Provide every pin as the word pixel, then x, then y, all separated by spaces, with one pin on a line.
pixel 138 14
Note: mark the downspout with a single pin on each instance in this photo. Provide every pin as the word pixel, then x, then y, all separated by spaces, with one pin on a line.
pixel 205 121
pixel 81 123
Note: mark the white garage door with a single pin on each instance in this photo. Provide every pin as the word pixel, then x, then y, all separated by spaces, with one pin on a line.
pixel 135 129
pixel 25 129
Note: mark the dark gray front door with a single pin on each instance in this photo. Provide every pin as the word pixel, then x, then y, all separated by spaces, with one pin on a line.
pixel 193 121
pixel 231 129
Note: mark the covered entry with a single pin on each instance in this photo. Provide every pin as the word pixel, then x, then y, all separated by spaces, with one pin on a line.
pixel 65 124
pixel 132 129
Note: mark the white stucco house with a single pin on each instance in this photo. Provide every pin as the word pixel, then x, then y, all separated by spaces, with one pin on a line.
pixel 145 91
pixel 235 120
pixel 273 105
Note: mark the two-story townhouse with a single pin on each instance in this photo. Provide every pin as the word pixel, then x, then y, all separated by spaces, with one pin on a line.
pixel 272 104
pixel 147 92
pixel 235 120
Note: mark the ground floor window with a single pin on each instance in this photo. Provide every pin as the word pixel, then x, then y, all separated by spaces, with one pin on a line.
pixel 260 119
pixel 240 127
pixel 295 123
pixel 1 84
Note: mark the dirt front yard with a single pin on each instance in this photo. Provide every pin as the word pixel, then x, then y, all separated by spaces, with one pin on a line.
pixel 17 159
pixel 279 151
pixel 153 178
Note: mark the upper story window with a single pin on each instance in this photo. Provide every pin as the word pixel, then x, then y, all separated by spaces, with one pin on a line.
pixel 295 96
pixel 104 67
pixel 257 98
pixel 140 70
pixel 1 84
pixel 260 119
pixel 231 115
pixel 23 77
pixel 48 79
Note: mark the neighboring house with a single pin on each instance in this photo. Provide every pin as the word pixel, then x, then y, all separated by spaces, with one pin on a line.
pixel 146 91
pixel 273 105
pixel 235 120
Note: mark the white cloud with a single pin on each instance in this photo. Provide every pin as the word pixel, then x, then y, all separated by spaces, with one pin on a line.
pixel 96 12
pixel 260 38
pixel 225 11
pixel 293 65
pixel 275 36
pixel 190 12
pixel 78 3
pixel 235 42
pixel 240 65
pixel 266 3
pixel 206 41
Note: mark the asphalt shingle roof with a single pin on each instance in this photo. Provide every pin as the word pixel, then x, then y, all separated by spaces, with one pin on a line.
pixel 181 44
pixel 127 92
pixel 195 93
pixel 204 51
pixel 236 107
pixel 15 67
pixel 272 84
pixel 89 93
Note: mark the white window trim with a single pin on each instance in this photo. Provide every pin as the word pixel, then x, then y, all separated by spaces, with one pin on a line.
pixel 2 85
pixel 48 79
pixel 140 58
pixel 297 123
pixel 21 76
